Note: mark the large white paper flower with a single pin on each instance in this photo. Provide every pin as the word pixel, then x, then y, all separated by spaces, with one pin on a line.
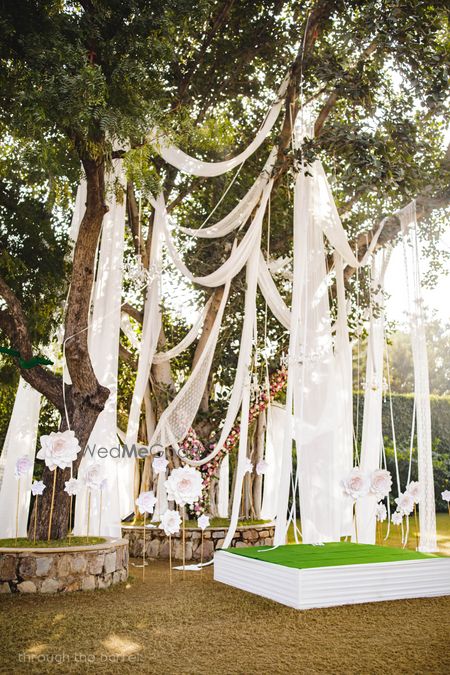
pixel 37 488
pixel 72 486
pixel 248 466
pixel 446 495
pixel 170 522
pixel 262 467
pixel 203 522
pixel 93 476
pixel 381 512
pixel 380 483
pixel 146 502
pixel 184 485
pixel 22 467
pixel 356 484
pixel 397 518
pixel 413 488
pixel 160 464
pixel 59 449
pixel 405 503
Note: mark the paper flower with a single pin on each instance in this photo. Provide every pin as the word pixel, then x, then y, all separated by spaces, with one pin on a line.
pixel 22 467
pixel 146 502
pixel 59 449
pixel 405 503
pixel 262 467
pixel 170 522
pixel 397 518
pixel 104 484
pixel 356 484
pixel 93 476
pixel 203 522
pixel 446 495
pixel 72 486
pixel 37 488
pixel 159 465
pixel 248 466
pixel 381 512
pixel 413 488
pixel 380 483
pixel 184 485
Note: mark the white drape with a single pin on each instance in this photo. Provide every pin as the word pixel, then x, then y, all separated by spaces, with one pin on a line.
pixel 276 421
pixel 427 506
pixel 224 487
pixel 372 433
pixel 344 393
pixel 272 296
pixel 20 441
pixel 104 336
pixel 195 167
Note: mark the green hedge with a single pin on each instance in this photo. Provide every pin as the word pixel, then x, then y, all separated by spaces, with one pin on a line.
pixel 402 406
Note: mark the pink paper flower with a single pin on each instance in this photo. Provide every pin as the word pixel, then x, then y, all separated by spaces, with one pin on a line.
pixel 170 522
pixel 381 512
pixel 37 488
pixel 146 502
pixel 356 484
pixel 405 503
pixel 72 486
pixel 184 485
pixel 203 522
pixel 397 518
pixel 446 495
pixel 93 476
pixel 413 488
pixel 262 467
pixel 23 466
pixel 160 464
pixel 59 449
pixel 380 483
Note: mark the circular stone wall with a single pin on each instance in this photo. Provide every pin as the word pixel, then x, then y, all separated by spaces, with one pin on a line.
pixel 65 569
pixel 157 544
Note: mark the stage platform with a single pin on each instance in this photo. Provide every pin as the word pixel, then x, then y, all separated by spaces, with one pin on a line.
pixel 304 576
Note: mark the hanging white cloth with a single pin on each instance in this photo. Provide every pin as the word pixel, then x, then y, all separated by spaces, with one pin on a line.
pixel 241 212
pixel 272 296
pixel 276 421
pixel 195 167
pixel 20 441
pixel 189 338
pixel 245 358
pixel 372 432
pixel 224 487
pixel 344 393
pixel 238 257
pixel 427 506
pixel 104 333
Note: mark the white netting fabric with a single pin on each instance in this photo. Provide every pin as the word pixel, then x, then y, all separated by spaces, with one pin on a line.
pixel 427 506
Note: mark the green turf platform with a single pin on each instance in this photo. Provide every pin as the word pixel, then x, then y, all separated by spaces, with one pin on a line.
pixel 306 556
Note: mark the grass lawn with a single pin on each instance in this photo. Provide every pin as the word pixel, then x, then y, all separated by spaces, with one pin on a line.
pixel 196 626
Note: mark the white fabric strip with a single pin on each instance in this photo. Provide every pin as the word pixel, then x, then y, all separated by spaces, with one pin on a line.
pixel 224 487
pixel 161 357
pixel 20 441
pixel 241 212
pixel 239 256
pixel 276 422
pixel 427 506
pixel 196 167
pixel 271 295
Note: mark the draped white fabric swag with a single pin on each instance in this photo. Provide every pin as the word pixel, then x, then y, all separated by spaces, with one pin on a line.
pixel 20 441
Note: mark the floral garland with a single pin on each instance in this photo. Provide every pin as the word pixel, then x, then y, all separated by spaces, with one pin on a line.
pixel 195 449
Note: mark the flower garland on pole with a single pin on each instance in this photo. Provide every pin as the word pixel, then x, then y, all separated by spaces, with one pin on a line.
pixel 194 448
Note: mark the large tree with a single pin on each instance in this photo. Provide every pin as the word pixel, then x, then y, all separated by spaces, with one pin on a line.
pixel 77 79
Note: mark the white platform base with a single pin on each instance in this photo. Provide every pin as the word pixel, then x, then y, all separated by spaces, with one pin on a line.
pixel 330 586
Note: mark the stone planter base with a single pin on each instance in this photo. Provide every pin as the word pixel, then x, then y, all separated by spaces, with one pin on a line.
pixel 157 544
pixel 66 569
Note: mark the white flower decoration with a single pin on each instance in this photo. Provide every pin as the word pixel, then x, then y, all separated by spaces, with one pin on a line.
pixel 59 449
pixel 405 503
pixel 397 518
pixel 104 484
pixel 146 502
pixel 72 486
pixel 170 522
pixel 262 467
pixel 203 522
pixel 413 488
pixel 381 512
pixel 380 483
pixel 93 476
pixel 160 465
pixel 446 495
pixel 184 485
pixel 23 465
pixel 37 488
pixel 248 466
pixel 356 484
